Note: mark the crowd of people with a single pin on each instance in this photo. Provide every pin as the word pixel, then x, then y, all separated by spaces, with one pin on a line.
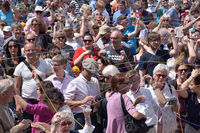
pixel 66 64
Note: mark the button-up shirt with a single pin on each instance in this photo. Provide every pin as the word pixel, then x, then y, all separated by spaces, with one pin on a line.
pixel 62 86
pixel 79 88
pixel 174 16
pixel 119 13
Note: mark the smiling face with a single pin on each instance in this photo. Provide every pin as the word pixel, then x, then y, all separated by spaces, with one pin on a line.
pixel 65 126
pixel 35 26
pixel 13 48
pixel 182 72
pixel 30 51
pixel 160 77
pixel 18 32
pixel 88 41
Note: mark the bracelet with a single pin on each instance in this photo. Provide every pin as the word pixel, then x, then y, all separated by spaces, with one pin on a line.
pixel 155 88
pixel 87 119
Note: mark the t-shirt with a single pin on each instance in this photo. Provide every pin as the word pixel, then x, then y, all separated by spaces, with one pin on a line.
pixel 149 61
pixel 29 87
pixel 115 57
pixel 8 18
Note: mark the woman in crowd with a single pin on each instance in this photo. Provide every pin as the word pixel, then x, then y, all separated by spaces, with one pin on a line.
pixel 98 18
pixel 166 121
pixel 116 123
pixel 192 100
pixel 100 7
pixel 87 51
pixel 39 30
pixel 12 57
pixel 40 111
pixel 66 50
pixel 86 10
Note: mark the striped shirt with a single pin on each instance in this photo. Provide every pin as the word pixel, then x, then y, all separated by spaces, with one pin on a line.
pixel 78 5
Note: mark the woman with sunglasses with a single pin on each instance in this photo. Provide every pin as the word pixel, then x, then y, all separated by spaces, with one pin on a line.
pixel 87 51
pixel 165 109
pixel 39 30
pixel 98 18
pixel 116 123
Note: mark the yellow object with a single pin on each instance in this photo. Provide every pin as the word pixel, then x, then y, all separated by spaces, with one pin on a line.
pixel 75 68
pixel 23 24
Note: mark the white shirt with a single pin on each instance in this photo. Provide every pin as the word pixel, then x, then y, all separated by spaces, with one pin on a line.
pixel 74 44
pixel 146 108
pixel 29 87
pixel 79 88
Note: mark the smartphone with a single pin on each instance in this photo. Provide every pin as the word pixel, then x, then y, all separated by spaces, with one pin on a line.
pixel 171 100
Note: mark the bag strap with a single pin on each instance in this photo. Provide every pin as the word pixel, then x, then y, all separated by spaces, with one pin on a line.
pixel 26 63
pixel 123 106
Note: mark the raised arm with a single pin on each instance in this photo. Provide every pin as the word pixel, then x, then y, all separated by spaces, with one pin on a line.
pixel 175 51
pixel 192 54
pixel 157 6
pixel 196 49
pixel 190 24
pixel 11 6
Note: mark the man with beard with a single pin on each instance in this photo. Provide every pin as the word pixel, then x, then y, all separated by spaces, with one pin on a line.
pixel 154 56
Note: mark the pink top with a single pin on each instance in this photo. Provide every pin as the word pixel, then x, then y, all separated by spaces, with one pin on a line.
pixel 115 113
pixel 41 113
pixel 47 21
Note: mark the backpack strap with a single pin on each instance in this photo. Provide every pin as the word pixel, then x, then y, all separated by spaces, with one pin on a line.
pixel 123 106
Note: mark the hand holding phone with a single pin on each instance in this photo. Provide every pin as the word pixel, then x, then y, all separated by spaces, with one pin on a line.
pixel 171 100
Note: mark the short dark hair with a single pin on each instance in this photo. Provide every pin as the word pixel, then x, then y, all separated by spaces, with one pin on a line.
pixel 6 5
pixel 122 2
pixel 8 55
pixel 87 34
pixel 103 60
pixel 43 85
pixel 54 95
pixel 153 36
pixel 197 80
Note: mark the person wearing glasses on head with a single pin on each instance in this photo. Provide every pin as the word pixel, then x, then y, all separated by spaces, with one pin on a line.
pixel 38 28
pixel 87 51
pixel 39 14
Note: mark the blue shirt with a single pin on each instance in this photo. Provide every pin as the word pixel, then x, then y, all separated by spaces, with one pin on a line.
pixel 8 18
pixel 160 12
pixel 119 13
pixel 174 16
pixel 132 43
pixel 92 3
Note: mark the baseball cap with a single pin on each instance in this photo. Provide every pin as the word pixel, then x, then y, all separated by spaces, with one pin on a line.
pixel 120 27
pixel 179 2
pixel 38 8
pixel 7 28
pixel 90 65
pixel 104 29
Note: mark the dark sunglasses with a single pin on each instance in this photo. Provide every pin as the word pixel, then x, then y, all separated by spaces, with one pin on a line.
pixel 33 39
pixel 181 70
pixel 98 14
pixel 87 40
pixel 62 37
pixel 159 75
pixel 34 24
pixel 15 46
pixel 66 123
pixel 38 12
pixel 56 53
pixel 107 77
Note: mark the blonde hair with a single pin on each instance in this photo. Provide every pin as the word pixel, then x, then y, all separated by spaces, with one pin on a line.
pixel 84 8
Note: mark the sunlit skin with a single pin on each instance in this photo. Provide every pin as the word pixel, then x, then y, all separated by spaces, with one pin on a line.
pixel 182 74
pixel 160 80
pixel 14 49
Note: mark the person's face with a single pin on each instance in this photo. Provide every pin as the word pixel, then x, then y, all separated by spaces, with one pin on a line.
pixel 182 71
pixel 17 32
pixel 55 52
pixel 197 27
pixel 196 35
pixel 166 20
pixel 40 95
pixel 177 6
pixel 72 8
pixel 160 76
pixel 87 41
pixel 154 44
pixel 30 39
pixel 89 12
pixel 65 126
pixel 134 81
pixel 30 51
pixel 108 78
pixel 60 39
pixel 101 9
pixel 17 13
pixel 39 14
pixel 101 66
pixel 194 88
pixel 7 34
pixel 115 39
pixel 13 48
pixel 9 94
pixel 121 7
pixel 165 3
pixel 124 23
pixel 186 4
pixel 140 8
pixel 57 67
pixel 98 16
pixel 186 21
pixel 35 26
pixel 88 75
pixel 123 87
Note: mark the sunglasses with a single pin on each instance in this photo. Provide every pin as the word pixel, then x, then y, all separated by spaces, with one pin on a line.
pixel 159 75
pixel 62 37
pixel 33 39
pixel 38 12
pixel 107 77
pixel 181 70
pixel 56 53
pixel 87 40
pixel 34 24
pixel 140 8
pixel 15 46
pixel 98 14
pixel 66 123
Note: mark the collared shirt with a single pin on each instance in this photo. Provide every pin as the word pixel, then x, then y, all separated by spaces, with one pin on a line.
pixel 62 86
pixel 9 115
pixel 174 16
pixel 146 108
pixel 47 21
pixel 119 13
pixel 79 88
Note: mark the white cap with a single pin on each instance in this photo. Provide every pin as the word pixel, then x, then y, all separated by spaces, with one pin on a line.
pixel 7 28
pixel 38 8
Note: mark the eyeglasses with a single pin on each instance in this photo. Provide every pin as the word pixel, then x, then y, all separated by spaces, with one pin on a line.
pixel 181 70
pixel 159 75
pixel 11 46
pixel 56 65
pixel 34 24
pixel 98 14
pixel 185 3
pixel 108 77
pixel 56 53
pixel 126 83
pixel 66 123
pixel 38 12
pixel 87 40
pixel 62 37
pixel 33 39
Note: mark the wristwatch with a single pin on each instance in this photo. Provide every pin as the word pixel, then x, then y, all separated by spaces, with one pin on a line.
pixel 155 88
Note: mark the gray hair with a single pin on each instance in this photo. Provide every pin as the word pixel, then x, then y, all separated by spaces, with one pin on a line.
pixel 132 73
pixel 60 58
pixel 16 25
pixel 161 67
pixel 110 70
pixel 190 16
pixel 119 32
pixel 164 32
pixel 5 84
